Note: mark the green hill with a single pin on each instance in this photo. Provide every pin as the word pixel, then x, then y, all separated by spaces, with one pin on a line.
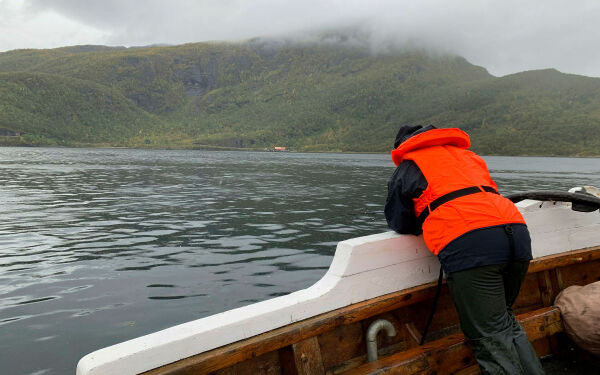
pixel 51 109
pixel 310 97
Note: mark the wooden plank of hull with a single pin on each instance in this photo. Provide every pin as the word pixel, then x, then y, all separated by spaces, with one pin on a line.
pixel 567 258
pixel 452 353
pixel 530 298
pixel 342 344
pixel 307 357
pixel 288 335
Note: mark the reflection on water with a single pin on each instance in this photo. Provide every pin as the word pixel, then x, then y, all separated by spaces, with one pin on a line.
pixel 99 246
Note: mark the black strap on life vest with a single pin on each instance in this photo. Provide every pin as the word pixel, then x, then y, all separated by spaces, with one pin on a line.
pixel 453 195
pixel 432 206
pixel 434 306
pixel 511 243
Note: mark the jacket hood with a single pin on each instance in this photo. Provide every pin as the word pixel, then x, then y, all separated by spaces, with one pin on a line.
pixel 434 137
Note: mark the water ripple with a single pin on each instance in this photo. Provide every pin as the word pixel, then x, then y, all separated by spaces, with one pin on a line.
pixel 100 246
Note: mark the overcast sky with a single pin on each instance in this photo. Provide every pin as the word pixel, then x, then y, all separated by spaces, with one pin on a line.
pixel 504 36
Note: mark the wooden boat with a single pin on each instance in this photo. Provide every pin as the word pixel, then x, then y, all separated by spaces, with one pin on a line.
pixel 322 329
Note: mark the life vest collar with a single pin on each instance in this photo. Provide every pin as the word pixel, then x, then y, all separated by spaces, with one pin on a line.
pixel 434 137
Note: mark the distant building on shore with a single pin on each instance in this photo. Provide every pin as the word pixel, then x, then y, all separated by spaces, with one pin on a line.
pixel 278 149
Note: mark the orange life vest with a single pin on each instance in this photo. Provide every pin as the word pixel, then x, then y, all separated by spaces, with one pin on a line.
pixel 443 158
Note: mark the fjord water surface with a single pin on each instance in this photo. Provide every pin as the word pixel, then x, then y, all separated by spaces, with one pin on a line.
pixel 98 246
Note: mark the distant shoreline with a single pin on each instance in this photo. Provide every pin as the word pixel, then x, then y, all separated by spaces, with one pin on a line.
pixel 225 148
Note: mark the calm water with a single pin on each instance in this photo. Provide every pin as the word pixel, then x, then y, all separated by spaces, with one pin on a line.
pixel 98 246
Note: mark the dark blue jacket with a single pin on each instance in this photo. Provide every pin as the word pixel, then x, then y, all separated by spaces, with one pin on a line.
pixel 480 247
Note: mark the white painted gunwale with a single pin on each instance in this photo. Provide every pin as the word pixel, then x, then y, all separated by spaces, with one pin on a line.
pixel 362 268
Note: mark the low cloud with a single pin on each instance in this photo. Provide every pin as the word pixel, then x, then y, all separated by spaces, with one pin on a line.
pixel 505 37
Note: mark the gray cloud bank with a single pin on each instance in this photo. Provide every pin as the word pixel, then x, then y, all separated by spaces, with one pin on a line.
pixel 503 36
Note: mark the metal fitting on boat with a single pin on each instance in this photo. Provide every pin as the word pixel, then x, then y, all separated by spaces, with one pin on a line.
pixel 372 332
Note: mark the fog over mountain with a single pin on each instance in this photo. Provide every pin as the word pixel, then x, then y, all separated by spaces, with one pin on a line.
pixel 504 37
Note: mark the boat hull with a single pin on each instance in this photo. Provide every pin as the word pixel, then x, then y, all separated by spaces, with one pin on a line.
pixel 322 329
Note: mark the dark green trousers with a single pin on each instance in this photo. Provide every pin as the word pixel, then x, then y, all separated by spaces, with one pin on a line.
pixel 483 297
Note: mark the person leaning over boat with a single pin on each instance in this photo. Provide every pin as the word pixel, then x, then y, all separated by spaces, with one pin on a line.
pixel 445 192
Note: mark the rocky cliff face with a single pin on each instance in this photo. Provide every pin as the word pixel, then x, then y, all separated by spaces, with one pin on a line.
pixel 198 78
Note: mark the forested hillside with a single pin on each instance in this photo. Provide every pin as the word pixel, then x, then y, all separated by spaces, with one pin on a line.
pixel 310 97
